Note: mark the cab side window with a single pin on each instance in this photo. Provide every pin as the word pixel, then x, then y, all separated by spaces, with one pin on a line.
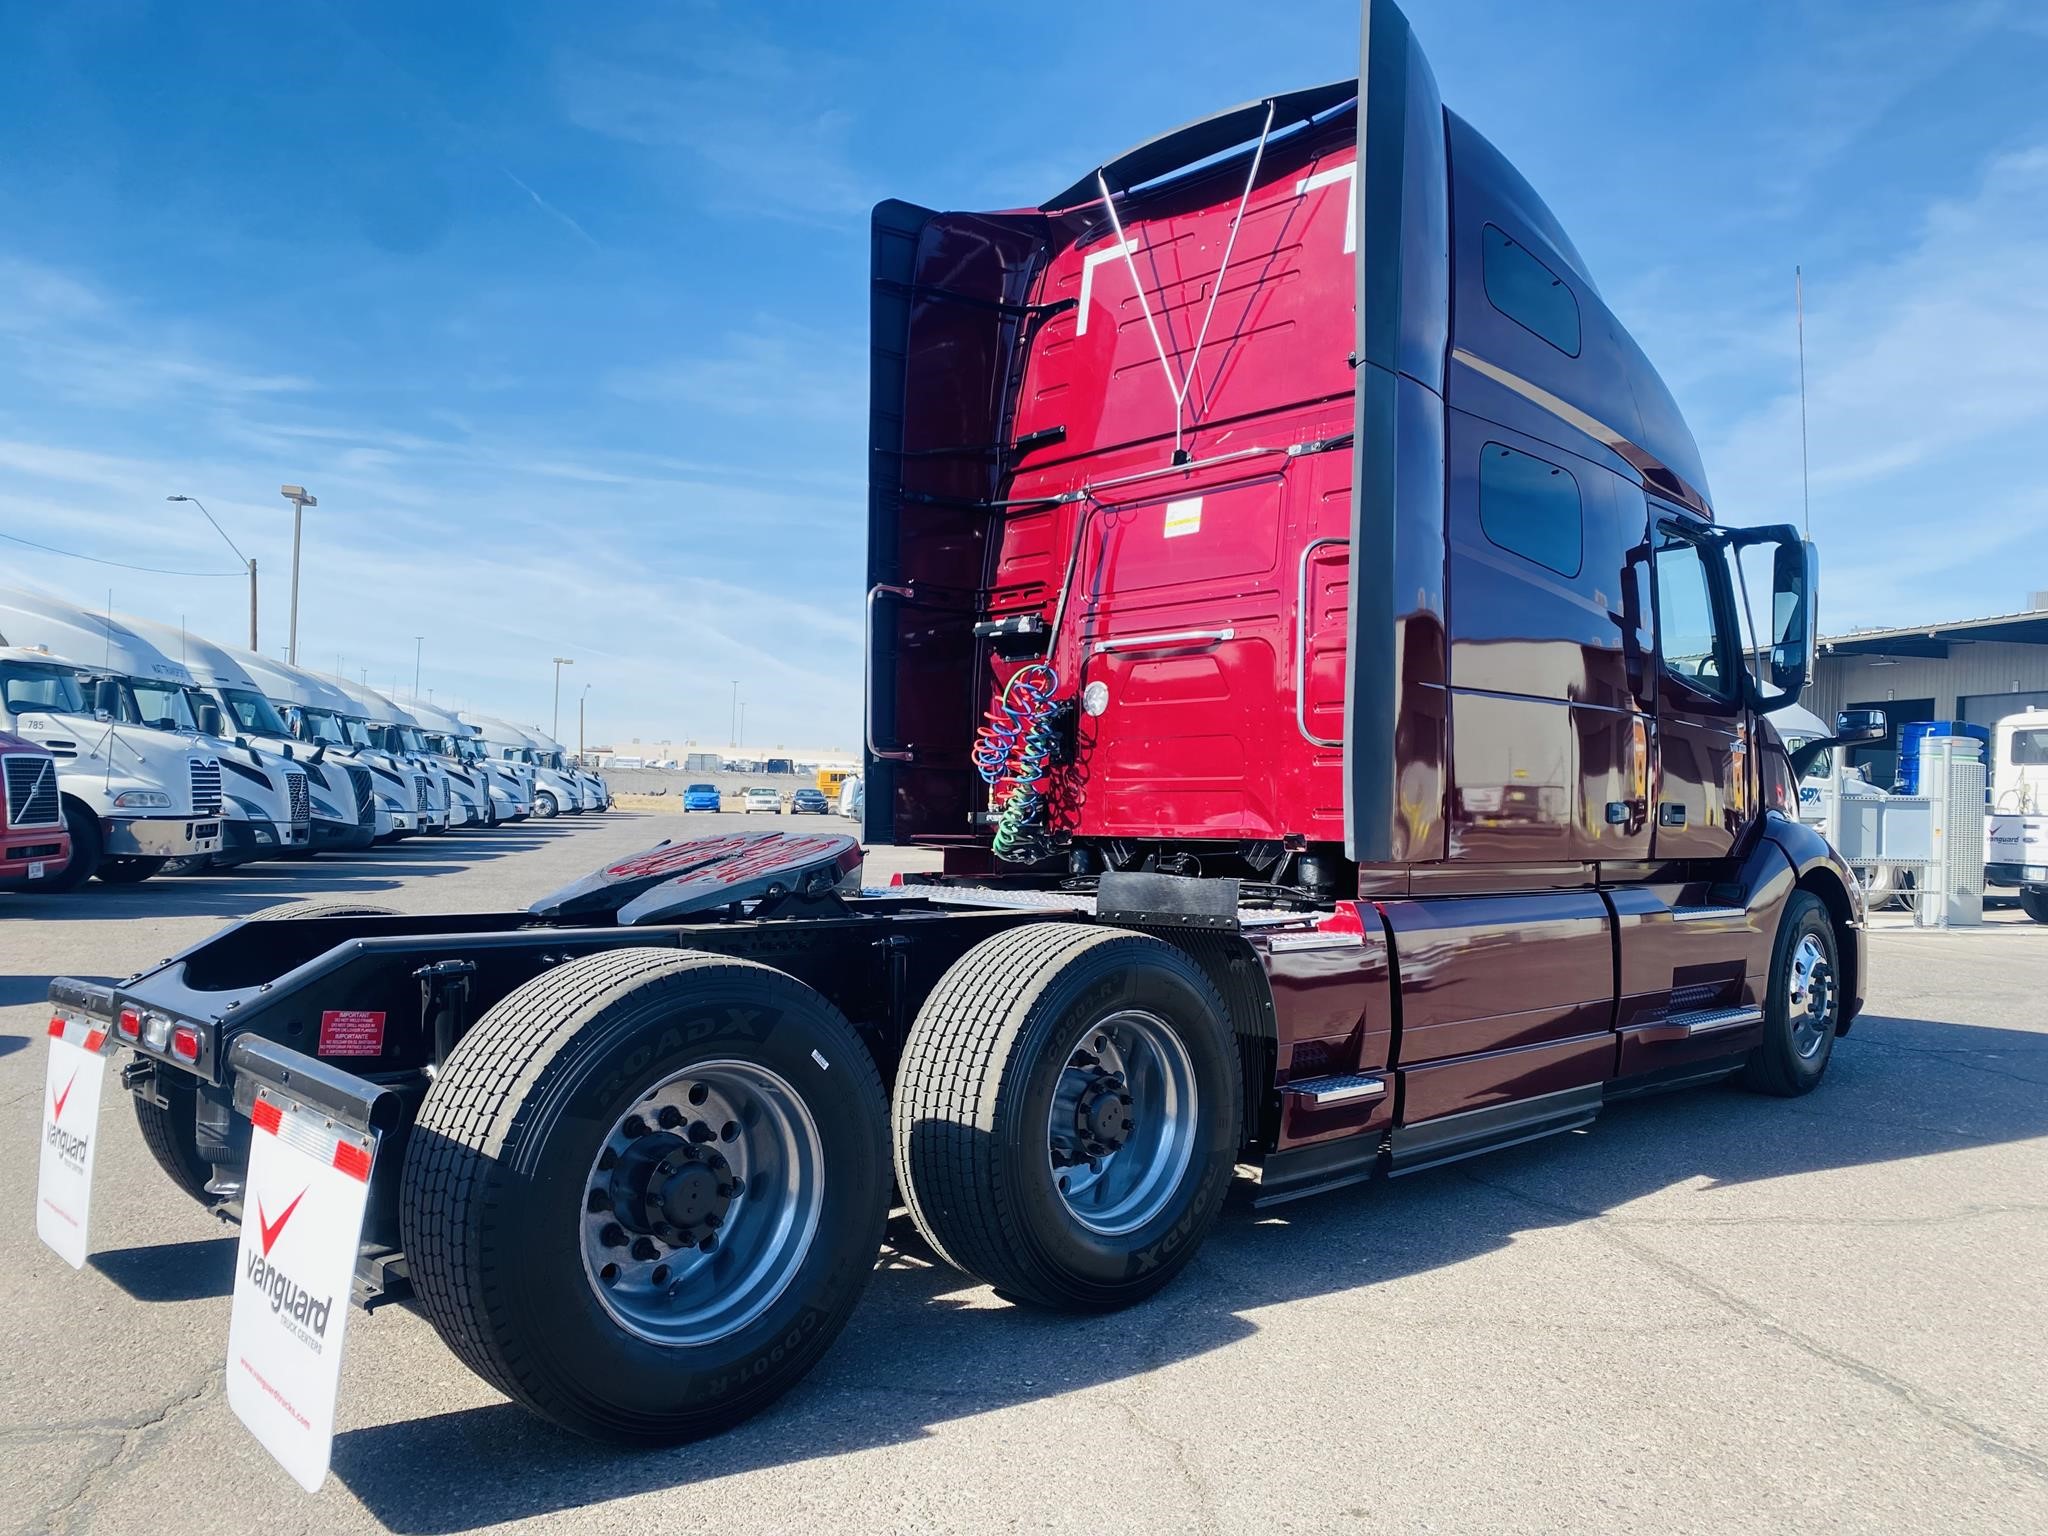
pixel 1690 641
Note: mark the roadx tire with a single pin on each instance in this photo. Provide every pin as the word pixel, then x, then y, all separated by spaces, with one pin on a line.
pixel 1045 1056
pixel 511 1212
pixel 291 911
pixel 1803 1008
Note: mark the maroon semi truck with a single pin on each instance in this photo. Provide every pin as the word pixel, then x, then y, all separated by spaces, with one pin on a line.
pixel 35 845
pixel 1298 614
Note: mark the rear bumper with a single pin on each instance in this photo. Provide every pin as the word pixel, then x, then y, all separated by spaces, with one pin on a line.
pixel 149 837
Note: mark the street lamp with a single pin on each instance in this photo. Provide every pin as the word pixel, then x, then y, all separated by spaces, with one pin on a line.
pixel 238 555
pixel 735 738
pixel 579 723
pixel 296 495
pixel 560 662
pixel 418 644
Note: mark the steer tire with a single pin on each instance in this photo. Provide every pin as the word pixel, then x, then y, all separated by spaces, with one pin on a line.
pixel 292 911
pixel 128 871
pixel 499 1172
pixel 988 1057
pixel 86 844
pixel 171 1132
pixel 545 807
pixel 1777 1066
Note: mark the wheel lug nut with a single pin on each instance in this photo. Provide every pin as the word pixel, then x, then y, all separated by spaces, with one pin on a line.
pixel 600 1200
pixel 613 1235
pixel 644 1249
pixel 670 1117
pixel 709 1244
pixel 634 1127
pixel 700 1132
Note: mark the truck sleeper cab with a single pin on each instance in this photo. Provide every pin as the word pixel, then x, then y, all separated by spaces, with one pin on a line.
pixel 380 723
pixel 1412 879
pixel 454 745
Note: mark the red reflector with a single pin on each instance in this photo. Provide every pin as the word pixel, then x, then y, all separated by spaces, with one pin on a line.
pixel 57 1025
pixel 130 1024
pixel 185 1042
pixel 352 1160
pixel 897 878
pixel 268 1116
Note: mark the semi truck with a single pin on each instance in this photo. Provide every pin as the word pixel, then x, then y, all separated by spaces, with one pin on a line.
pixel 448 797
pixel 34 843
pixel 258 746
pixel 455 744
pixel 556 792
pixel 2016 838
pixel 1299 621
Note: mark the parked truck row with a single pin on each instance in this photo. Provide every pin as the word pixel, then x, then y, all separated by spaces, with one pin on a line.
pixel 169 753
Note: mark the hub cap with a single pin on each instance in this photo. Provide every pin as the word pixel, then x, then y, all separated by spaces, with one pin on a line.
pixel 1810 996
pixel 1121 1131
pixel 702 1203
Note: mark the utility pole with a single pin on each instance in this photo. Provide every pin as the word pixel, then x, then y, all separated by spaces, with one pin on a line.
pixel 560 662
pixel 585 694
pixel 733 739
pixel 743 722
pixel 418 644
pixel 195 501
pixel 296 495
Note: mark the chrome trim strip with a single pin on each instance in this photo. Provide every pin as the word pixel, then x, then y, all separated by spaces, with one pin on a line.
pixel 1701 914
pixel 1179 637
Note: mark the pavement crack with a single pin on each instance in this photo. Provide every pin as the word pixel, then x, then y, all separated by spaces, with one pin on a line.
pixel 2019 1457
pixel 124 1440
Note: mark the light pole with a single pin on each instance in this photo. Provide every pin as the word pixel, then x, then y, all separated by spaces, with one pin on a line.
pixel 560 662
pixel 579 723
pixel 734 739
pixel 418 644
pixel 743 722
pixel 238 555
pixel 296 495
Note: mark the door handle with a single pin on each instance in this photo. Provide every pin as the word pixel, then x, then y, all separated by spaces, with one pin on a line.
pixel 1618 812
pixel 1671 814
pixel 1178 640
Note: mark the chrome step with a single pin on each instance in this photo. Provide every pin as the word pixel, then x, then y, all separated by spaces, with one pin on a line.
pixel 1705 914
pixel 1346 1088
pixel 1707 1021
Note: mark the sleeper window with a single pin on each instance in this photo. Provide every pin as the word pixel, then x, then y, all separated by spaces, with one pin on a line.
pixel 1531 507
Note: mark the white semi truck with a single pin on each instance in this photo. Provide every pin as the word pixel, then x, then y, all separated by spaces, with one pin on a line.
pixel 2016 841
pixel 134 796
pixel 505 794
pixel 554 792
pixel 318 714
pixel 393 730
pixel 590 786
pixel 335 804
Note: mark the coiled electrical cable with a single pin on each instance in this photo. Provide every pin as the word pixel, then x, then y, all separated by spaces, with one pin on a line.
pixel 1013 753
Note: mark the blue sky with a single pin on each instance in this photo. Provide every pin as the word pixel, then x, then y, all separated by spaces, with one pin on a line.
pixel 561 310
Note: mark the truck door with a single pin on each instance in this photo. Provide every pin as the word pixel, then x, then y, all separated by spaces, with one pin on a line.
pixel 1702 789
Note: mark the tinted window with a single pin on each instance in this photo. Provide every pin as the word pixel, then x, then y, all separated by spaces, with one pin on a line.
pixel 1688 637
pixel 2029 748
pixel 1528 292
pixel 1531 507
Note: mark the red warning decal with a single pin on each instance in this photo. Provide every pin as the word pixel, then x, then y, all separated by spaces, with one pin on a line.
pixel 351 1032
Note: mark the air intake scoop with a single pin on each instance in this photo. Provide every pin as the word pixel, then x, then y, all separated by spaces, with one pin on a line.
pixel 672 880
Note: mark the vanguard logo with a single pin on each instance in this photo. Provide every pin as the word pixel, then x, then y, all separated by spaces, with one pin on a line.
pixel 69 1147
pixel 288 1298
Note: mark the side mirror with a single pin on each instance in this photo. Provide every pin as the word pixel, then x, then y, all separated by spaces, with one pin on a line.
pixel 1861 725
pixel 1795 578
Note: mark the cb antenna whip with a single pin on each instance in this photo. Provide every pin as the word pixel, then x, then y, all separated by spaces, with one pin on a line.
pixel 1805 485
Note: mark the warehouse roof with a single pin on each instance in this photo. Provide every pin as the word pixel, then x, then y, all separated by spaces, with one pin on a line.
pixel 2029 627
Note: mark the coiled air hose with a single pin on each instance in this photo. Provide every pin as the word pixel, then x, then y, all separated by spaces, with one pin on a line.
pixel 1013 753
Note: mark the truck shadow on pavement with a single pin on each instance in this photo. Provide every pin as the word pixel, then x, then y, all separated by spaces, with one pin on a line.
pixel 926 1346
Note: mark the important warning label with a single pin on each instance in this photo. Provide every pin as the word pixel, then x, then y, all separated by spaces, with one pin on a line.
pixel 1183 517
pixel 351 1032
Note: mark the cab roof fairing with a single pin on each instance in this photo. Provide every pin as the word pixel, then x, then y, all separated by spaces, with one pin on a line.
pixel 94 642
pixel 284 683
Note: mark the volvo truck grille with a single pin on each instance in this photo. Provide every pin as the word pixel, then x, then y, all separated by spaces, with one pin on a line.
pixel 205 787
pixel 419 793
pixel 366 796
pixel 302 800
pixel 32 792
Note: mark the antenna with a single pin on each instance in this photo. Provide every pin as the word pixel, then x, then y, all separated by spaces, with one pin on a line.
pixel 1805 484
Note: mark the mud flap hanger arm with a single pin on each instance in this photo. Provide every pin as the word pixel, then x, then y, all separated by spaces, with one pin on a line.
pixel 371 1109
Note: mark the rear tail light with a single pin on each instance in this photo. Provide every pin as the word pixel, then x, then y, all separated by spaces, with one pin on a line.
pixel 129 1024
pixel 185 1043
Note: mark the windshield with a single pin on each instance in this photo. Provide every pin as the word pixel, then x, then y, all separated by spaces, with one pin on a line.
pixel 410 738
pixel 253 713
pixel 140 701
pixel 436 743
pixel 2029 748
pixel 26 685
pixel 322 725
pixel 359 733
pixel 206 713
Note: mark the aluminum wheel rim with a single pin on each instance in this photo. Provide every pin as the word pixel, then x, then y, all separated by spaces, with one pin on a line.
pixel 1132 1067
pixel 1810 996
pixel 743 1148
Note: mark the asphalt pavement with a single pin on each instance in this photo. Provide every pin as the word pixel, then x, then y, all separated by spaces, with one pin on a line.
pixel 1708 1312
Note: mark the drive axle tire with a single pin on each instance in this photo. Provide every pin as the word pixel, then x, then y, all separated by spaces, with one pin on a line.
pixel 171 1132
pixel 646 1190
pixel 1803 1008
pixel 1066 1116
pixel 2034 902
pixel 291 911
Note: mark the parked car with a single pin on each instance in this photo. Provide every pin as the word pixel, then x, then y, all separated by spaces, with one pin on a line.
pixel 703 797
pixel 809 802
pixel 761 798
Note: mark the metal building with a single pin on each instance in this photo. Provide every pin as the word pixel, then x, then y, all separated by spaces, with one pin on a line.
pixel 1969 669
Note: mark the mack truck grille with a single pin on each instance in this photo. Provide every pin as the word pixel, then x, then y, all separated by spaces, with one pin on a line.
pixel 301 797
pixel 205 788
pixel 366 795
pixel 32 792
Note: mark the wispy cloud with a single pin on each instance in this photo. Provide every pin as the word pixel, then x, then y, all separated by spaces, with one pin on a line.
pixel 769 369
pixel 550 209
